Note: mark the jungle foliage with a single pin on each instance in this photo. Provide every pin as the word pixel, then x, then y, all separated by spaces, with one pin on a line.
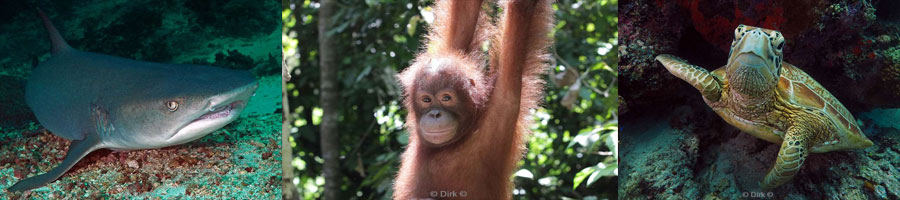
pixel 571 152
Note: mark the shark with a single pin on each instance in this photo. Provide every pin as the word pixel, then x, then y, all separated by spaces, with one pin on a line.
pixel 99 101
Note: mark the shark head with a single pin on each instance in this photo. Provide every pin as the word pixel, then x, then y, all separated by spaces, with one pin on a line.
pixel 181 107
pixel 225 97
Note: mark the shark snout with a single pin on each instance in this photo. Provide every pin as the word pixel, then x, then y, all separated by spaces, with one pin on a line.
pixel 222 109
pixel 239 95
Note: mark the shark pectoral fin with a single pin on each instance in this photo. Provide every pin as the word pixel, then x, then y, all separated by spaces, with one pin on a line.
pixel 794 150
pixel 77 150
pixel 698 77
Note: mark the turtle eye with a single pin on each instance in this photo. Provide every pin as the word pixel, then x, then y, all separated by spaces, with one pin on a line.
pixel 172 105
pixel 779 39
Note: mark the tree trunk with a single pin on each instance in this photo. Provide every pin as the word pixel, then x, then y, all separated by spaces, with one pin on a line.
pixel 288 189
pixel 329 100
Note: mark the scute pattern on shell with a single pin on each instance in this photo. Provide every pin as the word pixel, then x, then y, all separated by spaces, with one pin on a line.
pixel 801 89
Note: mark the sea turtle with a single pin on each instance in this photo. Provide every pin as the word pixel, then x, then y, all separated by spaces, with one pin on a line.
pixel 773 100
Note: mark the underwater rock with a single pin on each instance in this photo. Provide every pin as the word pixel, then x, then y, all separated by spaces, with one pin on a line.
pixel 13 111
pixel 232 59
pixel 657 166
pixel 661 172
pixel 640 40
pixel 659 161
pixel 214 166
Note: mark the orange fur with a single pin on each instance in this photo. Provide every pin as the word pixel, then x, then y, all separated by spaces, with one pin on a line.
pixel 481 163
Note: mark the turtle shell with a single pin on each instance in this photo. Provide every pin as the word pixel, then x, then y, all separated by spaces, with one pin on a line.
pixel 800 89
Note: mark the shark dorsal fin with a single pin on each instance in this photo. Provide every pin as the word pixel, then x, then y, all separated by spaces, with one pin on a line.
pixel 59 44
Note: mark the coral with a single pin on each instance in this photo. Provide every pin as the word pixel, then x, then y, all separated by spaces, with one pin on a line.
pixel 695 155
pixel 640 40
pixel 663 171
pixel 227 163
pixel 235 18
pixel 233 60
pixel 658 166
pixel 718 27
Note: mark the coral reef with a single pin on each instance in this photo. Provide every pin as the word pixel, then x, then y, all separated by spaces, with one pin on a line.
pixel 685 154
pixel 240 161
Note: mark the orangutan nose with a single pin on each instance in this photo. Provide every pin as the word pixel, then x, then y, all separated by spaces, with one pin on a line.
pixel 434 114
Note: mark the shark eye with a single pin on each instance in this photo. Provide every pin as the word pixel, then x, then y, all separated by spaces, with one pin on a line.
pixel 172 105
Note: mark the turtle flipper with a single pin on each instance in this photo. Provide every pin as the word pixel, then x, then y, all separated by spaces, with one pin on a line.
pixel 698 77
pixel 77 150
pixel 794 150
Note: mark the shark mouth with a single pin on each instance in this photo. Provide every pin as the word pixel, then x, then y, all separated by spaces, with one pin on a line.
pixel 221 111
pixel 215 118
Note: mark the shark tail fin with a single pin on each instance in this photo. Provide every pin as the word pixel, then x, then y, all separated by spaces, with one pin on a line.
pixel 59 44
pixel 77 150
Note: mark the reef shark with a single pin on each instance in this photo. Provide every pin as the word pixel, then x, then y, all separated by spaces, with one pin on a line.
pixel 101 101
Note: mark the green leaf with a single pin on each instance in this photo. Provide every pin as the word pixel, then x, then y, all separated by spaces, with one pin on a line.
pixel 364 73
pixel 581 175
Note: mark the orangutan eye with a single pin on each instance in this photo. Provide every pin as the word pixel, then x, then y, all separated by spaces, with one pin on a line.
pixel 446 98
pixel 426 99
pixel 172 105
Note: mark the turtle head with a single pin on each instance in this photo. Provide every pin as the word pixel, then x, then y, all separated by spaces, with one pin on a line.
pixel 754 62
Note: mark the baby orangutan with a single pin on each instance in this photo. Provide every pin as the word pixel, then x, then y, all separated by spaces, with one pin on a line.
pixel 467 121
